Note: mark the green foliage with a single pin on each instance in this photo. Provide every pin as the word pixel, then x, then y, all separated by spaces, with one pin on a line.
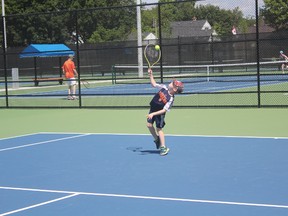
pixel 275 13
pixel 169 12
pixel 54 21
pixel 57 21
pixel 149 21
pixel 220 19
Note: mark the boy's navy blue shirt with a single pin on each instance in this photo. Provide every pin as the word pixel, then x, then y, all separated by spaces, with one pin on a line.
pixel 162 100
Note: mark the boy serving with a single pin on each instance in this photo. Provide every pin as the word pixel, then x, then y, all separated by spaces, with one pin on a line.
pixel 159 105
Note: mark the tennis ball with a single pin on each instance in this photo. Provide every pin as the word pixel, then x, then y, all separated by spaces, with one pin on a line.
pixel 157 47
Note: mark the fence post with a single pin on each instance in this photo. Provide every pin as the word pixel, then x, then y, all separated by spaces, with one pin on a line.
pixel 257 54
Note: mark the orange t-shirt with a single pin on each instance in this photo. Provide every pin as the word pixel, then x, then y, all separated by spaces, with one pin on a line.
pixel 68 68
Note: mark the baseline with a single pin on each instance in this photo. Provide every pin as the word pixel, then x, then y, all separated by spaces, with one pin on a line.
pixel 43 142
pixel 73 193
pixel 172 135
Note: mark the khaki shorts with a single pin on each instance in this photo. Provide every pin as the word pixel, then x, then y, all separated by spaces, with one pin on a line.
pixel 71 82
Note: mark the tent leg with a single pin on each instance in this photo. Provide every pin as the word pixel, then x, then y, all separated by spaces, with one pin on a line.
pixel 35 72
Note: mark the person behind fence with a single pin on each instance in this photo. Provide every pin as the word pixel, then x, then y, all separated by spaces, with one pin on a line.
pixel 283 57
pixel 70 72
pixel 159 105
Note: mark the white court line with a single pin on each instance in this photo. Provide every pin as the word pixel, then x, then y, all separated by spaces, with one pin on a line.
pixel 172 135
pixel 40 204
pixel 13 137
pixel 149 197
pixel 43 142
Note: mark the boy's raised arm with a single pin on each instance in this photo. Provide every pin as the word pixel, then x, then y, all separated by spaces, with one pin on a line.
pixel 152 80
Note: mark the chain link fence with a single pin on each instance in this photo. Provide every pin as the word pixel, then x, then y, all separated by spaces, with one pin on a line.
pixel 219 70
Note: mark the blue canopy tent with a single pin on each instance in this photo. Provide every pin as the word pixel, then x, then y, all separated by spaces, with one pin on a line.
pixel 46 50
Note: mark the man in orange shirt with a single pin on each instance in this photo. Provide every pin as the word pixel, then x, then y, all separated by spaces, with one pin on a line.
pixel 70 72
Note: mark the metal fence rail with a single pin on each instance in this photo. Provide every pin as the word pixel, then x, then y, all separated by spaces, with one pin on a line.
pixel 104 64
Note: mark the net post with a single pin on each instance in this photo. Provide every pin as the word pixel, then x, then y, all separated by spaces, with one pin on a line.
pixel 113 75
pixel 208 73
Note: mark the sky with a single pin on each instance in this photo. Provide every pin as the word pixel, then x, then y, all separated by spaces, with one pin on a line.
pixel 246 6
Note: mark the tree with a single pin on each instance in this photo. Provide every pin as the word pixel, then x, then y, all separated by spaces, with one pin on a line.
pixel 275 13
pixel 54 21
pixel 171 10
pixel 220 19
pixel 112 24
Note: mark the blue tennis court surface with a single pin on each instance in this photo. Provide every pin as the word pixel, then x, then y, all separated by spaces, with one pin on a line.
pixel 216 84
pixel 122 174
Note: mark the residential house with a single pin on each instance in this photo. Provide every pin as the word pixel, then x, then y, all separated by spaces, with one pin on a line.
pixel 192 28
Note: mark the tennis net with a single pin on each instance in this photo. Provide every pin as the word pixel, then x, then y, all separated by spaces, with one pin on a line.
pixel 240 72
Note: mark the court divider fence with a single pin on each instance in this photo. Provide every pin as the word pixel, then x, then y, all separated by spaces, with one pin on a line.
pixel 242 70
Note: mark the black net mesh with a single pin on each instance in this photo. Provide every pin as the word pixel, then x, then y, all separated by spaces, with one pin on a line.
pixel 219 68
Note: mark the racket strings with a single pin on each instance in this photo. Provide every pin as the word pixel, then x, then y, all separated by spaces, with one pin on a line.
pixel 152 55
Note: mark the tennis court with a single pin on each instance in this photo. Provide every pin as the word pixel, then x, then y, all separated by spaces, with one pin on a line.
pixel 95 156
pixel 84 164
pixel 123 174
pixel 205 85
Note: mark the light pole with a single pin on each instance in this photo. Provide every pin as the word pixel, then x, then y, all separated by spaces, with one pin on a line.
pixel 139 40
pixel 4 24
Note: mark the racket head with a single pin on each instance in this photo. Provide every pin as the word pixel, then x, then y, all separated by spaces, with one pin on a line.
pixel 152 55
pixel 85 84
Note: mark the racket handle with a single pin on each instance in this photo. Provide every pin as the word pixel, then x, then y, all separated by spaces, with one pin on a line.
pixel 150 71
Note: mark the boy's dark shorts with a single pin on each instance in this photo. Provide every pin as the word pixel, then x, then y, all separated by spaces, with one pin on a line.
pixel 159 119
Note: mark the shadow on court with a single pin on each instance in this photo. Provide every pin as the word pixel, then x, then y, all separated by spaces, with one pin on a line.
pixel 143 152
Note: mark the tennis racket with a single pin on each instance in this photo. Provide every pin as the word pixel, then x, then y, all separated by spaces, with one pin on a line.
pixel 85 84
pixel 152 55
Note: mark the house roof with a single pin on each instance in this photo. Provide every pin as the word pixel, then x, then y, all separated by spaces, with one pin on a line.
pixel 150 36
pixel 263 28
pixel 145 36
pixel 46 50
pixel 193 28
